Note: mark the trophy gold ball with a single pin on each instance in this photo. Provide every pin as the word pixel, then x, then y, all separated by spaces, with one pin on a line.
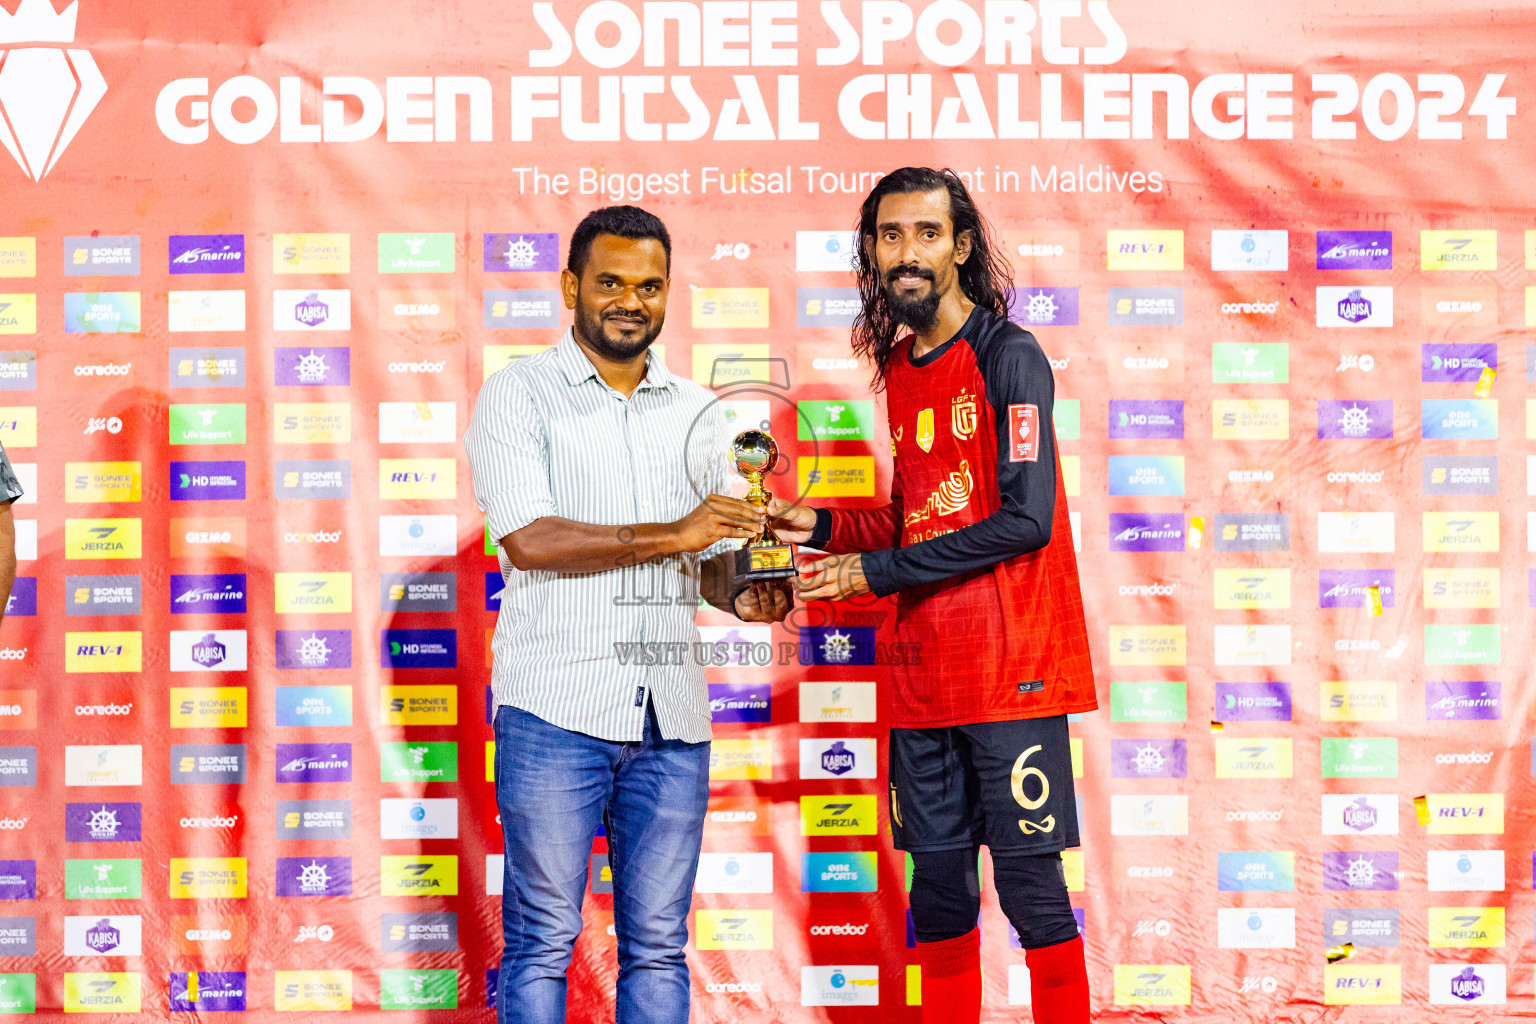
pixel 755 452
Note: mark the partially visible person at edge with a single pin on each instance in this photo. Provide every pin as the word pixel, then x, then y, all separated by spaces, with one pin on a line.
pixel 604 477
pixel 10 491
pixel 977 547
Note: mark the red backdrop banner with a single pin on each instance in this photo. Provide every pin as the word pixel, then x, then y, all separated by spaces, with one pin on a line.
pixel 1281 259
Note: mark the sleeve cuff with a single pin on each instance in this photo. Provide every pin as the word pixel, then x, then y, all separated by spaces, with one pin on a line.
pixel 505 517
pixel 821 534
pixel 880 572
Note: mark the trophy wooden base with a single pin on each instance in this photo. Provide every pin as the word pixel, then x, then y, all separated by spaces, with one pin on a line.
pixel 764 562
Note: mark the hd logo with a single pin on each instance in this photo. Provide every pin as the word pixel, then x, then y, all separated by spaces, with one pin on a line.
pixel 418 648
pixel 419 875
pixel 43 103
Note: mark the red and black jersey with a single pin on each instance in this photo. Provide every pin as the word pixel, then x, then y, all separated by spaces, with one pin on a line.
pixel 976 542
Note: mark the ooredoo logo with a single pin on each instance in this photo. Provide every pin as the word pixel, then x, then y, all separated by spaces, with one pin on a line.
pixel 49 91
pixel 211 821
pixel 312 537
pixel 104 710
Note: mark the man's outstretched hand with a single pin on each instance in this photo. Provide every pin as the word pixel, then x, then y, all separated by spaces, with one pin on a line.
pixel 792 523
pixel 833 578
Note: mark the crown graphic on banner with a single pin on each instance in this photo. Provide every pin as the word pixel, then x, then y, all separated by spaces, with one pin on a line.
pixel 35 21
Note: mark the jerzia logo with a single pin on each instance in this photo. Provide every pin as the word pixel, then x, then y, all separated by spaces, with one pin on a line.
pixel 46 93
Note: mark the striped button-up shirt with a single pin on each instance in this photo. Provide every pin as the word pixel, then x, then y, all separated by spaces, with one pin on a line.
pixel 10 487
pixel 549 437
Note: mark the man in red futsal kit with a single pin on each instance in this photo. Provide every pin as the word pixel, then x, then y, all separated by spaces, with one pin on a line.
pixel 977 547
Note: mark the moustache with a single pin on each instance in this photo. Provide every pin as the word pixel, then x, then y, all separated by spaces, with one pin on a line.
pixel 907 271
pixel 640 317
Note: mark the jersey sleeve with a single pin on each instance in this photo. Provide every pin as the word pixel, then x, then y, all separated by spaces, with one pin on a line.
pixel 841 530
pixel 1022 394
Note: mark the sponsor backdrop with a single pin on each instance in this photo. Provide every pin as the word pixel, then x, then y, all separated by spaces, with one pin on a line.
pixel 257 260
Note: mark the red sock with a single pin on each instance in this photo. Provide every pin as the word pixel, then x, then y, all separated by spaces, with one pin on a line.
pixel 952 979
pixel 1058 983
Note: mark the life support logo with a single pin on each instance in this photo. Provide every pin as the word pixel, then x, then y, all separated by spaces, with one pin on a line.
pixel 49 91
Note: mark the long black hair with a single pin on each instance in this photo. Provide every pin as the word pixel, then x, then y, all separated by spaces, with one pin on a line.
pixel 985 277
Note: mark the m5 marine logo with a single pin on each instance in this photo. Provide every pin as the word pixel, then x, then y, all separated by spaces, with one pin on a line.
pixel 42 102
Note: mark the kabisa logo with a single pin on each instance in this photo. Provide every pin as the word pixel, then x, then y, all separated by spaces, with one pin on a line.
pixel 1360 815
pixel 311 310
pixel 1467 985
pixel 1354 307
pixel 43 104
pixel 837 759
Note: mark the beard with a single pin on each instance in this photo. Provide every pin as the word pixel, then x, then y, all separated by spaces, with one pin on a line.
pixel 918 314
pixel 590 329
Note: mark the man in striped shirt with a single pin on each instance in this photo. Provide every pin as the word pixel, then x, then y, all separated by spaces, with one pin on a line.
pixel 605 478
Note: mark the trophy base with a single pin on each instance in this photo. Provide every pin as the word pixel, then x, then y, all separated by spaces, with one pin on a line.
pixel 766 562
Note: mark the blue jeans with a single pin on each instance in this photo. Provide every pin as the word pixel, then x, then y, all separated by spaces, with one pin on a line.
pixel 553 788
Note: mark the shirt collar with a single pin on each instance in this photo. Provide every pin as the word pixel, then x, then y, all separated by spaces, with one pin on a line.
pixel 578 369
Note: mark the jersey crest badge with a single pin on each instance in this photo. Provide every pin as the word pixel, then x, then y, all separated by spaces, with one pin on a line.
pixel 925 430
pixel 1023 432
pixel 962 415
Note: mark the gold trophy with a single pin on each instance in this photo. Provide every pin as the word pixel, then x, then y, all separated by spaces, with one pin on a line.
pixel 764 557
